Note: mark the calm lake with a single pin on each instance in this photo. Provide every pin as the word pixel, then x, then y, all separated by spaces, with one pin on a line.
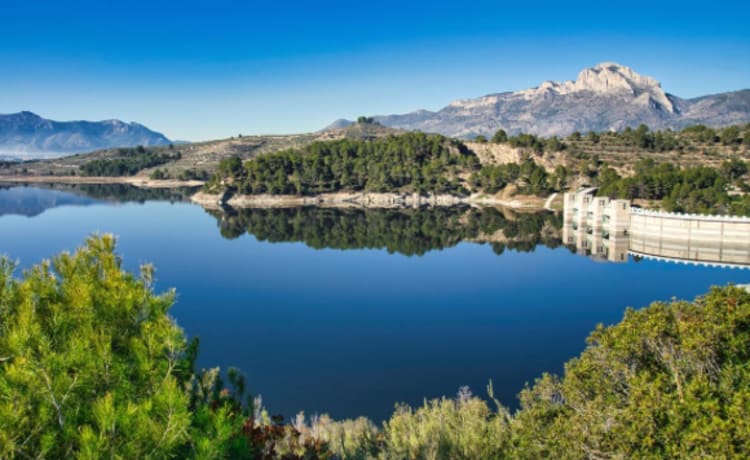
pixel 349 312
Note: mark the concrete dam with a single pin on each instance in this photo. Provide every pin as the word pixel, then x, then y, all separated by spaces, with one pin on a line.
pixel 608 229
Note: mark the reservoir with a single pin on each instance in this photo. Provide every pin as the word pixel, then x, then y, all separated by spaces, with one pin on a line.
pixel 348 312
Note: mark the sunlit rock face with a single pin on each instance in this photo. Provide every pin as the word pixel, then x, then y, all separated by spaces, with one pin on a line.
pixel 606 97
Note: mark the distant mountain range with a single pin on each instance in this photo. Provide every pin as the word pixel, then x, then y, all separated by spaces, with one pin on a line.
pixel 605 97
pixel 27 135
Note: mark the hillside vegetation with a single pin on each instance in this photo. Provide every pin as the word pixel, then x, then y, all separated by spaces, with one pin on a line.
pixel 709 179
pixel 582 154
pixel 91 366
pixel 406 163
pixel 412 162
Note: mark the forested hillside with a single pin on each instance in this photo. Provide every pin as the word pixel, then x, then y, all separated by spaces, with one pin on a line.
pixel 406 163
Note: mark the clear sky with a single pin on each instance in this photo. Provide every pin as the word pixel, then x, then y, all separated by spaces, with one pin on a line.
pixel 208 69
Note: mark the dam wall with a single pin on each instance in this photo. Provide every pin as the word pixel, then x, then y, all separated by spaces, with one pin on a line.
pixel 610 229
pixel 718 240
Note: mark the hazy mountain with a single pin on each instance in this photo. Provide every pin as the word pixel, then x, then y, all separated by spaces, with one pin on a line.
pixel 28 135
pixel 338 124
pixel 606 97
pixel 32 201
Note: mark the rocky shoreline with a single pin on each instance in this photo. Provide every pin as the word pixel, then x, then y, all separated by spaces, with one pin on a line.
pixel 362 200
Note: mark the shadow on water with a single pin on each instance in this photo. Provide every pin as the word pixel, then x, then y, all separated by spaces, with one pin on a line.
pixel 403 231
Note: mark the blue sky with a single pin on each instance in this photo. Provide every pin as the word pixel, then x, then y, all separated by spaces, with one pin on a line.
pixel 202 70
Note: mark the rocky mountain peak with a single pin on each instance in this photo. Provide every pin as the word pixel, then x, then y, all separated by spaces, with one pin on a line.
pixel 605 97
pixel 612 77
pixel 608 79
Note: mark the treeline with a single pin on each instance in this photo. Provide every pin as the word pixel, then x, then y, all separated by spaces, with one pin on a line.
pixel 697 189
pixel 666 140
pixel 406 163
pixel 404 231
pixel 129 161
pixel 412 162
pixel 523 140
pixel 92 366
pixel 184 175
pixel 531 178
pixel 639 138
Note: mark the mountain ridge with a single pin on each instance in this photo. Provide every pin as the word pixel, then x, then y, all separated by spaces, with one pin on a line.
pixel 27 135
pixel 606 97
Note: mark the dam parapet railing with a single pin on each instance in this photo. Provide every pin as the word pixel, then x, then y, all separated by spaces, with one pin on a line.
pixel 676 215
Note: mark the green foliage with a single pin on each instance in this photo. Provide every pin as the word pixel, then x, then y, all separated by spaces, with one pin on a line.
pixel 366 120
pixel 730 135
pixel 701 133
pixel 593 137
pixel 346 439
pixel 461 428
pixel 500 137
pixel 412 162
pixel 733 169
pixel 90 361
pixel 559 179
pixel 193 174
pixel 231 168
pixel 529 177
pixel 127 162
pixel 698 189
pixel 492 179
pixel 553 144
pixel 642 138
pixel 480 139
pixel 528 141
pixel 158 174
pixel 670 381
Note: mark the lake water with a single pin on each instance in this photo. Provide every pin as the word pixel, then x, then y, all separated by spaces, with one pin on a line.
pixel 349 312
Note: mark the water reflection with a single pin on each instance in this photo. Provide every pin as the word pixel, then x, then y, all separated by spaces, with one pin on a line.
pixel 403 231
pixel 33 200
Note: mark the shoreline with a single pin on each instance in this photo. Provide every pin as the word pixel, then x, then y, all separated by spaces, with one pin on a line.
pixel 363 200
pixel 136 181
pixel 331 200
